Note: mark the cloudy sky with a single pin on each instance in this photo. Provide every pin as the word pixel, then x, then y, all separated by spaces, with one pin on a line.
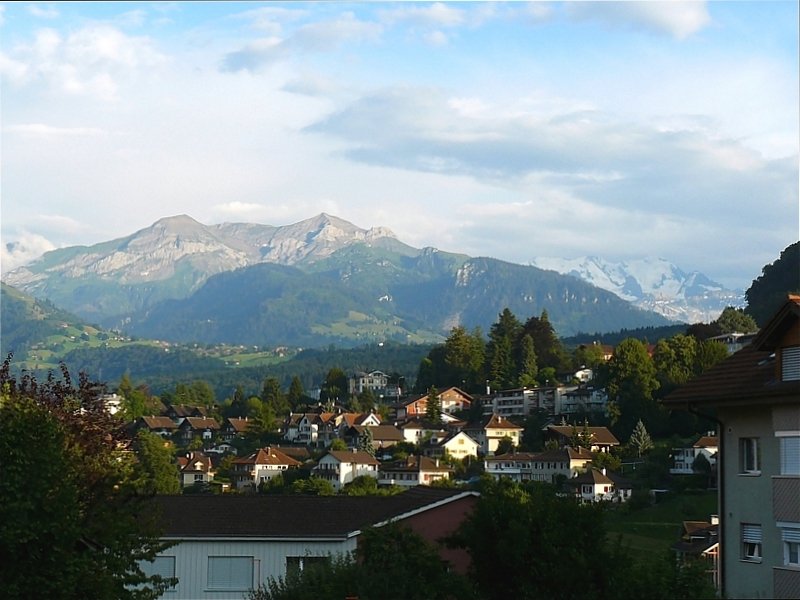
pixel 620 130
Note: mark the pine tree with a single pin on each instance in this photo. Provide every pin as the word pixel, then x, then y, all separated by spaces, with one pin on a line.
pixel 640 439
pixel 433 407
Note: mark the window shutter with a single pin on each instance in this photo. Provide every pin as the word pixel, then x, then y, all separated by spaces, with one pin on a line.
pixel 790 455
pixel 230 572
pixel 751 533
pixel 790 535
pixel 790 363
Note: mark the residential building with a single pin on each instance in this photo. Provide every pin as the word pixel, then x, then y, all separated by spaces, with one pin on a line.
pixel 707 445
pixel 451 400
pixel 583 399
pixel 755 394
pixel 195 468
pixel 549 466
pixel 599 485
pixel 419 431
pixel 203 428
pixel 342 466
pixel 700 540
pixel 600 438
pixel 176 412
pixel 491 431
pixel 383 436
pixel 415 470
pixel 261 466
pixel 456 445
pixel 234 427
pixel 163 426
pixel 225 545
pixel 376 382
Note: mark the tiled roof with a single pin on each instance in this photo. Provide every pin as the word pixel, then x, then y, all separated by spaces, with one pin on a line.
pixel 268 456
pixel 159 423
pixel 237 424
pixel 707 441
pixel 748 376
pixel 500 422
pixel 201 423
pixel 415 464
pixel 233 515
pixel 600 435
pixel 592 476
pixel 355 456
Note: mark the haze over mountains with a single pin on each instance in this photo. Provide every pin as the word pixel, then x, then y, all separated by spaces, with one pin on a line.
pixel 325 280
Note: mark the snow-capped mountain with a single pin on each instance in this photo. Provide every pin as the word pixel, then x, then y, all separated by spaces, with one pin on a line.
pixel 653 284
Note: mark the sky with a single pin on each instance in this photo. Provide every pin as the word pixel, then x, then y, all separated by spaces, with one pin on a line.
pixel 620 130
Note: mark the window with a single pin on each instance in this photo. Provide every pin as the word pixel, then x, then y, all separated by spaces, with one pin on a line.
pixel 751 542
pixel 791 546
pixel 790 363
pixel 163 566
pixel 749 456
pixel 790 455
pixel 230 573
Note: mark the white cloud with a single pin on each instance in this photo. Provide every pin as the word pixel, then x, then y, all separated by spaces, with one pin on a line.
pixel 91 60
pixel 438 14
pixel 25 248
pixel 42 130
pixel 674 17
pixel 43 11
pixel 324 36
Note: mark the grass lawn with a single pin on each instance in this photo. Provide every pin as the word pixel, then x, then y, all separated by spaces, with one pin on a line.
pixel 655 528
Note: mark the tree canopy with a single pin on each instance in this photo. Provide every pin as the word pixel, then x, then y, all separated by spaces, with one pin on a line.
pixel 77 530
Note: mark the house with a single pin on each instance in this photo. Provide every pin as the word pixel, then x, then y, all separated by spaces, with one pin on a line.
pixel 376 382
pixel 456 445
pixel 549 466
pixel 176 412
pixel 347 420
pixel 342 466
pixel 234 427
pixel 261 466
pixel 700 539
pixel 415 470
pixel 601 439
pixel 163 426
pixel 684 458
pixel 598 485
pixel 224 545
pixel 491 431
pixel 312 429
pixel 383 436
pixel 195 468
pixel 203 428
pixel 451 400
pixel 755 395
pixel 418 431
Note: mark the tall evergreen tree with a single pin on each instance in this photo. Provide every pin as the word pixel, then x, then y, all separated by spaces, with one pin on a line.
pixel 528 369
pixel 433 407
pixel 640 439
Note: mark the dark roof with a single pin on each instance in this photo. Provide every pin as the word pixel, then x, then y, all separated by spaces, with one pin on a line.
pixel 158 423
pixel 600 435
pixel 749 375
pixel 233 515
pixel 388 433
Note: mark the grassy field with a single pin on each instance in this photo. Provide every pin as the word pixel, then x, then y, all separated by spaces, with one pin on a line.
pixel 655 528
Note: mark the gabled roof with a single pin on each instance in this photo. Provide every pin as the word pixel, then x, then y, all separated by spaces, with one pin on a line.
pixel 380 433
pixel 500 422
pixel 303 517
pixel 159 423
pixel 268 456
pixel 200 423
pixel 600 435
pixel 352 456
pixel 592 476
pixel 184 410
pixel 417 464
pixel 237 424
pixel 707 441
pixel 188 464
pixel 747 377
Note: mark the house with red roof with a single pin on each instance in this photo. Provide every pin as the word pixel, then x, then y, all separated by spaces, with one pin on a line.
pixel 260 467
pixel 342 466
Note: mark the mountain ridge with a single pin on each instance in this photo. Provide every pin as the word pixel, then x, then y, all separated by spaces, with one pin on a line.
pixel 148 280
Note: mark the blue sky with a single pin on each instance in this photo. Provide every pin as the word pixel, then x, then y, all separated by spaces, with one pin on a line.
pixel 513 130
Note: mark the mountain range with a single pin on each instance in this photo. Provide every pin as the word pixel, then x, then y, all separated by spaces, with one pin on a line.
pixel 319 281
pixel 652 284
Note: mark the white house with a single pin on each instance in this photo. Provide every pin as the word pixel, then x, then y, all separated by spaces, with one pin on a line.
pixel 547 466
pixel 707 445
pixel 342 466
pixel 225 545
pixel 195 467
pixel 415 470
pixel 457 445
pixel 601 486
pixel 260 467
